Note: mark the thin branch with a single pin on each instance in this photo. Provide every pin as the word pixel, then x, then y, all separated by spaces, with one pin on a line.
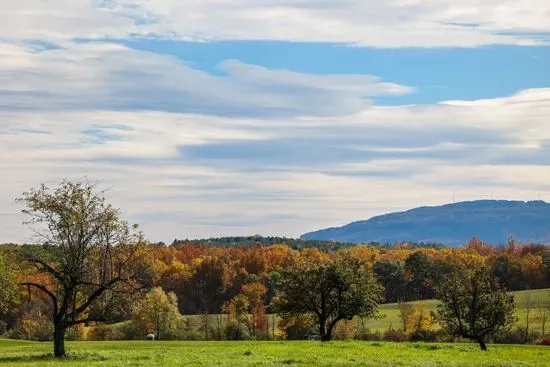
pixel 41 287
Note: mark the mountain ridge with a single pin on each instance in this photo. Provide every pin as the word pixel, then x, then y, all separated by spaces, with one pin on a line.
pixel 493 221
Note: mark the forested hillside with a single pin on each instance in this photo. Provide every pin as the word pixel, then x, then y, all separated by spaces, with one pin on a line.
pixel 493 221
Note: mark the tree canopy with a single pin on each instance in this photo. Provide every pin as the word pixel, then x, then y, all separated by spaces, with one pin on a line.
pixel 8 284
pixel 89 255
pixel 332 290
pixel 157 312
pixel 474 306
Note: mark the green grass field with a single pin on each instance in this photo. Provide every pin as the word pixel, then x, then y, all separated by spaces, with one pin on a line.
pixel 390 312
pixel 286 353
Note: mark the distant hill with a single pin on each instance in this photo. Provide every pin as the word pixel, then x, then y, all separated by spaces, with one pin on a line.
pixel 492 221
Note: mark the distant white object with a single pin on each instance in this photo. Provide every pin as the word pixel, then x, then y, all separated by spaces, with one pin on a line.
pixel 150 337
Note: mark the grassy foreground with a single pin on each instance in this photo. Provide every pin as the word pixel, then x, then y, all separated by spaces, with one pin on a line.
pixel 287 353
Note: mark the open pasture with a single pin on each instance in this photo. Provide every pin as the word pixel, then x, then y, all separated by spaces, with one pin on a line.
pixel 389 313
pixel 283 353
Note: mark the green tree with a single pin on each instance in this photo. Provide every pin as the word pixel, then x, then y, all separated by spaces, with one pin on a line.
pixel 391 275
pixel 420 270
pixel 508 272
pixel 89 256
pixel 474 306
pixel 8 285
pixel 158 313
pixel 339 289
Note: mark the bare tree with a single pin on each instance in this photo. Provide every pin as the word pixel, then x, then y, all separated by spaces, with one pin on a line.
pixel 406 312
pixel 528 305
pixel 89 255
pixel 544 312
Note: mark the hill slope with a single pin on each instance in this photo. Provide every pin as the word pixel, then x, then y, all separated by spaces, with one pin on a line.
pixel 493 221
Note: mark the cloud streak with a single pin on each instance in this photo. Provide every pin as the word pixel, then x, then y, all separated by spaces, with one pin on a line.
pixel 109 76
pixel 392 23
pixel 184 175
pixel 250 149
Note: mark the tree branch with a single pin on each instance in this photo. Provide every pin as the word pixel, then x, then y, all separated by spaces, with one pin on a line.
pixel 93 297
pixel 42 288
pixel 37 262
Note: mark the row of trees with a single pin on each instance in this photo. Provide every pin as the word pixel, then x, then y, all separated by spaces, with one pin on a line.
pixel 94 267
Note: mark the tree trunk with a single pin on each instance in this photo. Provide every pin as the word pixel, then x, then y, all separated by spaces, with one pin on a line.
pixel 481 342
pixel 325 337
pixel 328 336
pixel 59 341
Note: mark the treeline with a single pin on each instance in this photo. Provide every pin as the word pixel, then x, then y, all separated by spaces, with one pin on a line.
pixel 94 268
pixel 294 243
pixel 204 277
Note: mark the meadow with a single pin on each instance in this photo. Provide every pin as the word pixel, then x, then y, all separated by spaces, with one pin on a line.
pixel 389 313
pixel 389 316
pixel 282 353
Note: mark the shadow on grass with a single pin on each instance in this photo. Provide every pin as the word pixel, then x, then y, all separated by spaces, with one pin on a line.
pixel 49 357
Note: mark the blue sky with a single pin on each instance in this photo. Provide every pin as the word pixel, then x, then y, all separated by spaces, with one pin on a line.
pixel 277 117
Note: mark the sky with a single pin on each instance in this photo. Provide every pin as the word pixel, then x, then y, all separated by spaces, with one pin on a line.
pixel 207 118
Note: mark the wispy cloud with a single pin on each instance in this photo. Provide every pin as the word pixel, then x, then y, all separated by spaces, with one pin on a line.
pixel 248 148
pixel 180 174
pixel 392 23
pixel 109 76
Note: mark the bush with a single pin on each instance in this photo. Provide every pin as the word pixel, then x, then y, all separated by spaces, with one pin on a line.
pixel 102 332
pixel 369 335
pixel 425 336
pixel 345 330
pixel 189 329
pixel 75 333
pixel 516 336
pixel 543 341
pixel 392 335
pixel 298 327
pixel 32 329
pixel 235 331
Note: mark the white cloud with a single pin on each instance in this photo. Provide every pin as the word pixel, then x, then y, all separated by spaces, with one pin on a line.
pixel 142 155
pixel 392 23
pixel 110 76
pixel 255 150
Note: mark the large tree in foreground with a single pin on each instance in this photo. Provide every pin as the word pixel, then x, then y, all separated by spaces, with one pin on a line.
pixel 333 290
pixel 474 306
pixel 8 284
pixel 89 256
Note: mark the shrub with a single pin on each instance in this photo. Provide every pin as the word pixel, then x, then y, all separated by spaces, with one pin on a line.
pixel 369 335
pixel 188 329
pixel 425 336
pixel 235 331
pixel 75 333
pixel 516 336
pixel 543 341
pixel 392 335
pixel 298 327
pixel 345 330
pixel 105 332
pixel 32 329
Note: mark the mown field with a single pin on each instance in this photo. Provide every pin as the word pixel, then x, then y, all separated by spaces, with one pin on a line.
pixel 283 353
pixel 390 313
